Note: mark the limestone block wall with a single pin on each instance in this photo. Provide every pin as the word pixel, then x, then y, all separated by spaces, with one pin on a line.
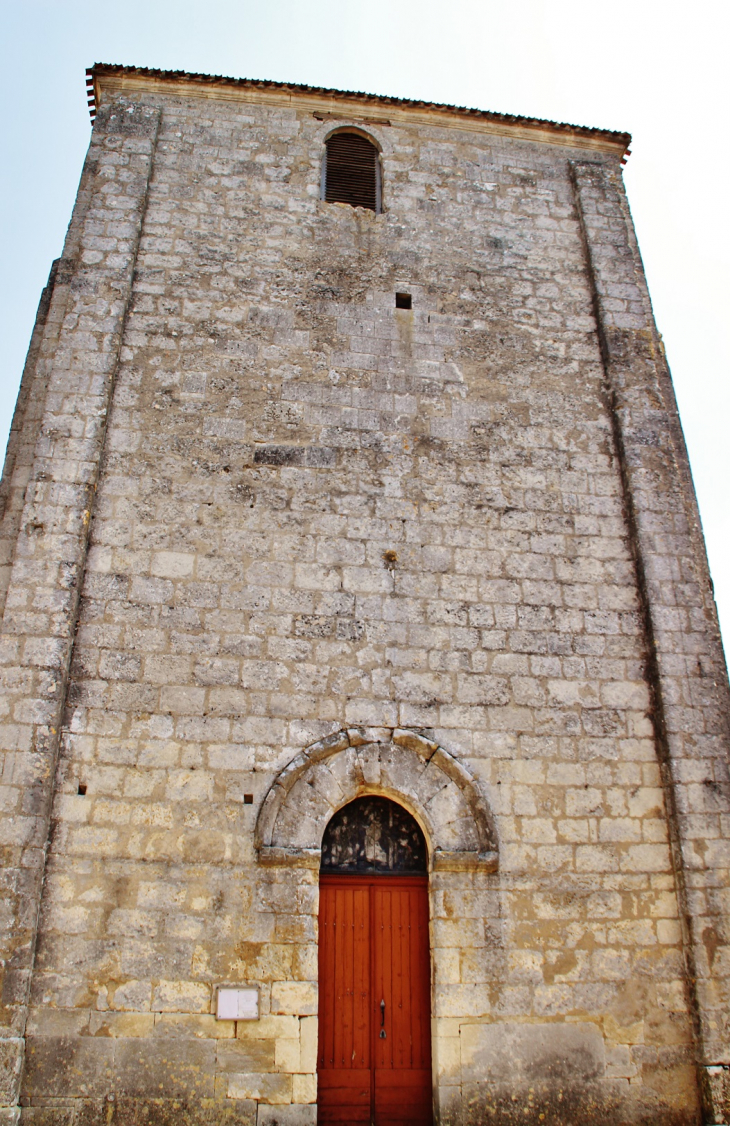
pixel 312 516
pixel 52 471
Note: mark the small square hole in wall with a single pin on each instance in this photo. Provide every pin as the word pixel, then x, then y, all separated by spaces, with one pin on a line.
pixel 82 788
pixel 248 799
pixel 403 301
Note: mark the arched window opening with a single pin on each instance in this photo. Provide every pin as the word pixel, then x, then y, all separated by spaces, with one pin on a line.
pixel 372 835
pixel 351 171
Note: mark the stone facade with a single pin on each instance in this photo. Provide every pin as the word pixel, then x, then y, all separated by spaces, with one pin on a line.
pixel 270 542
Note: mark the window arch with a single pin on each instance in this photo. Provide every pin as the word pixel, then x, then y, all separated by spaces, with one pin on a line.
pixel 351 171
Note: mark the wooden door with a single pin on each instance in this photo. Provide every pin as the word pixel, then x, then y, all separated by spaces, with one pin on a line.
pixel 374 1059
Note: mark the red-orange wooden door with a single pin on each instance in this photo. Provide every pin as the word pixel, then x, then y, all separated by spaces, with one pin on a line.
pixel 374 1058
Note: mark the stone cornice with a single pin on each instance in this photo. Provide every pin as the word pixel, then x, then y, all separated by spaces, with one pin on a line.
pixel 105 80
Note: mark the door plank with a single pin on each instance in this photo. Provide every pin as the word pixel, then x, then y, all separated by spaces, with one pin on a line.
pixel 343 1096
pixel 361 1055
pixel 403 1097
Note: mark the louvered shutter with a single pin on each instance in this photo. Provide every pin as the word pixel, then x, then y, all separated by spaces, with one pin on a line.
pixel 351 173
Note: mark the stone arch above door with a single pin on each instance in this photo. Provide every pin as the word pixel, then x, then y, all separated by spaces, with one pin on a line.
pixel 441 793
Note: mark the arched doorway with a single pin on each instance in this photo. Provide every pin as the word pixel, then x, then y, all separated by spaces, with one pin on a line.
pixel 374 1055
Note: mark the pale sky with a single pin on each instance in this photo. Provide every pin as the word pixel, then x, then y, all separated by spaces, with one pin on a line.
pixel 655 68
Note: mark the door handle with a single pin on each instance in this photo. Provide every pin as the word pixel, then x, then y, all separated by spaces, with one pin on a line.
pixel 382 1013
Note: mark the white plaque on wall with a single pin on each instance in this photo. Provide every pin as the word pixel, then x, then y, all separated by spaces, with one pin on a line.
pixel 238 1004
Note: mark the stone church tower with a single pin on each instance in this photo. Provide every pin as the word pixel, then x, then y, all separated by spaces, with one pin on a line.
pixel 364 715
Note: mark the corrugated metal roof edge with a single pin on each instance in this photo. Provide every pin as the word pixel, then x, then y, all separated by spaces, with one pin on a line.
pixel 100 69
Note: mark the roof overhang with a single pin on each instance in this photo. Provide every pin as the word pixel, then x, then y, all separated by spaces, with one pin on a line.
pixel 104 80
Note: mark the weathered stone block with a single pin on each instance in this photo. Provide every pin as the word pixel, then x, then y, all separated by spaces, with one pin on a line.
pixel 11 1063
pixel 265 1088
pixel 250 1055
pixel 294 997
pixel 181 996
pixel 308 1043
pixel 512 1054
pixel 68 1066
pixel 184 1069
pixel 287 1115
